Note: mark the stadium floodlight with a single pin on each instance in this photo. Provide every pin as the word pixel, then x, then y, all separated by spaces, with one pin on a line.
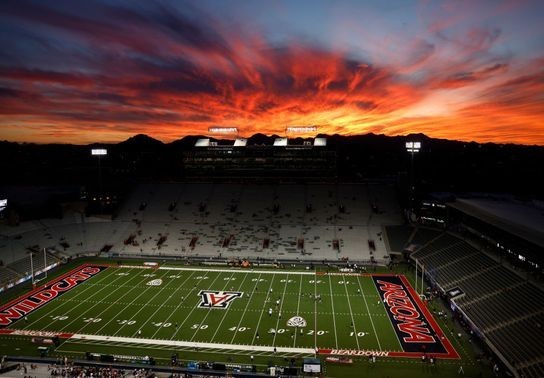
pixel 301 129
pixel 222 130
pixel 99 151
pixel 413 146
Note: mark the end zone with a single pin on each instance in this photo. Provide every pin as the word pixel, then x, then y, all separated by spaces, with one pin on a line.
pixel 25 304
pixel 416 329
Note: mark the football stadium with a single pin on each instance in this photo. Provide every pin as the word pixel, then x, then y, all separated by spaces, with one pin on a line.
pixel 275 277
pixel 286 188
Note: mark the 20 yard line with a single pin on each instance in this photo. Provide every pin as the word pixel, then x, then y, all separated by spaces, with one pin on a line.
pixel 370 317
pixel 351 312
pixel 333 317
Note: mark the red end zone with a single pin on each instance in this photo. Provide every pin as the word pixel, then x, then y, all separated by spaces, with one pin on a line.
pixel 416 329
pixel 25 304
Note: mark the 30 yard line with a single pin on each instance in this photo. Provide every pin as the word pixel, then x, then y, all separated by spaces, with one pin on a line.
pixel 351 313
pixel 333 317
pixel 370 317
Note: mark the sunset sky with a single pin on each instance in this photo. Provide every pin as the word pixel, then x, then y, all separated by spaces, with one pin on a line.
pixel 101 71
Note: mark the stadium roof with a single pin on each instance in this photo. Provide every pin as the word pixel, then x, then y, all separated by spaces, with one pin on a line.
pixel 517 218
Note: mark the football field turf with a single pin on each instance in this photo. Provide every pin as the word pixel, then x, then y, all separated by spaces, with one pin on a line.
pixel 258 311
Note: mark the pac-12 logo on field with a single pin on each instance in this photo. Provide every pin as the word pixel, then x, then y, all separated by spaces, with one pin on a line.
pixel 218 299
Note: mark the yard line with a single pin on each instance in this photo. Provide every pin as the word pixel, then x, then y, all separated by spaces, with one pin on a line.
pixel 177 307
pixel 245 309
pixel 351 313
pixel 279 311
pixel 263 309
pixel 190 312
pixel 115 302
pixel 56 308
pixel 226 312
pixel 141 307
pixel 298 307
pixel 370 316
pixel 315 312
pixel 333 317
pixel 210 309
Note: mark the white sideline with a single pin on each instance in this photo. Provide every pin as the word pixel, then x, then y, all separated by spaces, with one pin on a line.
pixel 253 348
pixel 204 268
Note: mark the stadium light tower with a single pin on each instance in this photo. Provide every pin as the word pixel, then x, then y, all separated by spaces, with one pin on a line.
pixel 413 148
pixel 99 152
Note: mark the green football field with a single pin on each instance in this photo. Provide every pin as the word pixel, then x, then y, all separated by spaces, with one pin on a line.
pixel 124 302
pixel 199 313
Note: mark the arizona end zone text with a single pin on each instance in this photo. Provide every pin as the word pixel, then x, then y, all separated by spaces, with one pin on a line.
pixel 415 328
pixel 15 310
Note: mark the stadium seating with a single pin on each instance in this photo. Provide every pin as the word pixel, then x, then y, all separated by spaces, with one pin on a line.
pixel 162 219
pixel 505 308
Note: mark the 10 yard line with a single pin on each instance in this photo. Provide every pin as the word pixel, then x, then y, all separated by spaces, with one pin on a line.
pixel 368 309
pixel 54 309
pixel 351 312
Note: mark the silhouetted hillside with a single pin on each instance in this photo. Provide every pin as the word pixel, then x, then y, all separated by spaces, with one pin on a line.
pixel 441 165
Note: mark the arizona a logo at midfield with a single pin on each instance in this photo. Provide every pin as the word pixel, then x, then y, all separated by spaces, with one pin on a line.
pixel 217 299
